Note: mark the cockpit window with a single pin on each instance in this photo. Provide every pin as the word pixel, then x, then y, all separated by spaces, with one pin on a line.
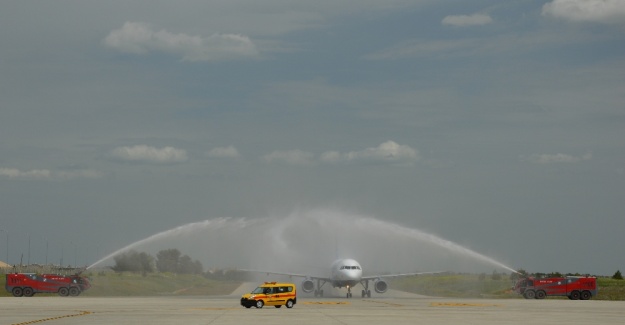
pixel 352 267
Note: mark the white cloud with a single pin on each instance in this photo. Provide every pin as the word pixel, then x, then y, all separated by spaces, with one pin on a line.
pixel 224 152
pixel 290 157
pixel 140 38
pixel 467 20
pixel 477 46
pixel 555 158
pixel 30 174
pixel 46 174
pixel 79 173
pixel 423 48
pixel 147 154
pixel 601 11
pixel 388 151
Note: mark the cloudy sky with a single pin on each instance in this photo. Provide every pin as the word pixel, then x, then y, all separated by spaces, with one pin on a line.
pixel 499 126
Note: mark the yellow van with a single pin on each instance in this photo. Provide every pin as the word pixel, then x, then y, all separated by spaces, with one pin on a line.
pixel 271 294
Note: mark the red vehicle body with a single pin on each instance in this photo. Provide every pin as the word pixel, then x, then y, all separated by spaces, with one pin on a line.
pixel 573 287
pixel 27 284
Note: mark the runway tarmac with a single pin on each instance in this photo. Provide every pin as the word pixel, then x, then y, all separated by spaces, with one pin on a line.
pixel 376 310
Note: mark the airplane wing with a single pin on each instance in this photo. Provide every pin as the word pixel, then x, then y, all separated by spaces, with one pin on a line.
pixel 288 274
pixel 375 277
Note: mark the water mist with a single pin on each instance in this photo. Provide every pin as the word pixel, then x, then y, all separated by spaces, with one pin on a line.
pixel 308 242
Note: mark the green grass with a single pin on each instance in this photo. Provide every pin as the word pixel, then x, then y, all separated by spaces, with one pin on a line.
pixel 610 289
pixel 455 285
pixel 153 284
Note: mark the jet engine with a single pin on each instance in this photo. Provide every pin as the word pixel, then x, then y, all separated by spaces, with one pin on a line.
pixel 308 285
pixel 380 286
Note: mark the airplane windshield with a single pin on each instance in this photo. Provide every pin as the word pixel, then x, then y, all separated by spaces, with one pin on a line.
pixel 350 267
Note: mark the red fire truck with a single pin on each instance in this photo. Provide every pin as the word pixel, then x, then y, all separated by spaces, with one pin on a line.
pixel 575 288
pixel 27 284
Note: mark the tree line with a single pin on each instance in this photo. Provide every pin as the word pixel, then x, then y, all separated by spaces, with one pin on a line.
pixel 168 260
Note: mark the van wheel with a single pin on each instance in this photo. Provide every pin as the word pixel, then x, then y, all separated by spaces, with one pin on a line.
pixel 17 292
pixel 28 292
pixel 278 306
pixel 259 304
pixel 289 304
pixel 585 295
pixel 63 292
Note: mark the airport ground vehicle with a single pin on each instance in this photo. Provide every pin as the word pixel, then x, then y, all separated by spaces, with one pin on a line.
pixel 271 294
pixel 574 287
pixel 27 284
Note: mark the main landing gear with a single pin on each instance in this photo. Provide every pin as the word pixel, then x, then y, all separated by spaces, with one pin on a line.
pixel 319 291
pixel 365 292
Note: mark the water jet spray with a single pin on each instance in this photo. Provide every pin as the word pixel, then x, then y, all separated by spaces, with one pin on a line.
pixel 311 239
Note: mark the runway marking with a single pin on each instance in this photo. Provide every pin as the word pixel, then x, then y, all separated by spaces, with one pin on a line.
pixel 325 303
pixel 384 302
pixel 82 313
pixel 215 308
pixel 463 304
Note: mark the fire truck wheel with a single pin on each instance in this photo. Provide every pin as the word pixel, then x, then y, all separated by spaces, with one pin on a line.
pixel 575 295
pixel 73 291
pixel 540 294
pixel 17 292
pixel 529 294
pixel 63 292
pixel 585 295
pixel 259 304
pixel 28 292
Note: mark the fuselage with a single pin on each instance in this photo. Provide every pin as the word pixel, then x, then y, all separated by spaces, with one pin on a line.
pixel 346 273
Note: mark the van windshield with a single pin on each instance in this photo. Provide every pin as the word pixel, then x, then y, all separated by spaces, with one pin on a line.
pixel 260 290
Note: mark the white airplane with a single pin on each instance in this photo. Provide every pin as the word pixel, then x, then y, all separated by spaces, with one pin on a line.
pixel 344 273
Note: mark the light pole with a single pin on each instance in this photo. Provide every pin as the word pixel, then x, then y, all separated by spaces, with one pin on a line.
pixel 7 232
pixel 28 249
pixel 75 252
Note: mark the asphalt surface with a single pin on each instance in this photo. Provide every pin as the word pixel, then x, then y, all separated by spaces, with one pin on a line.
pixel 399 309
